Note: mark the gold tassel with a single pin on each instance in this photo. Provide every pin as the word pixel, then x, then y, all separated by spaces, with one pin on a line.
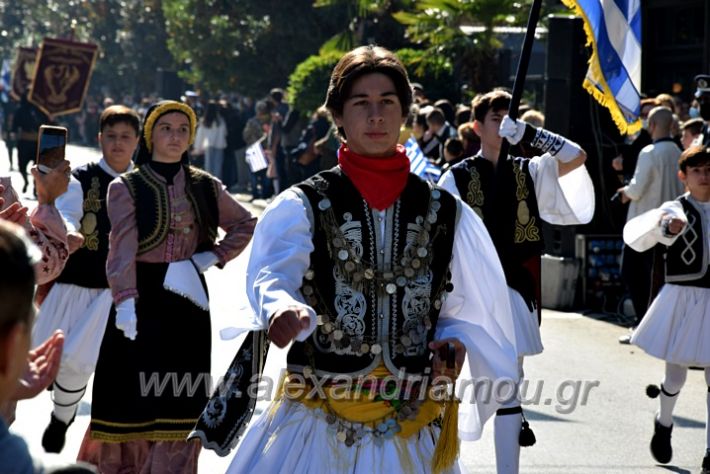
pixel 447 447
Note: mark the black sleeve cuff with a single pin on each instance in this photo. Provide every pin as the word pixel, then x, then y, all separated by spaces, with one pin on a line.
pixel 529 134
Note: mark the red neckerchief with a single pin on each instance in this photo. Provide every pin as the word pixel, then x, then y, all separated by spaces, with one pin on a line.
pixel 380 180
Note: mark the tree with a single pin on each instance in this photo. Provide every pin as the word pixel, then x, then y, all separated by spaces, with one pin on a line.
pixel 368 22
pixel 244 45
pixel 437 26
pixel 309 81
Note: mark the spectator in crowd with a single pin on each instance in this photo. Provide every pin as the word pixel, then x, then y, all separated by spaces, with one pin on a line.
pixel 448 110
pixel 211 139
pixel 691 130
pixel 255 130
pixel 453 153
pixel 420 97
pixel 463 115
pixel 25 126
pixel 307 155
pixel 44 225
pixel 469 138
pixel 233 120
pixel 18 257
pixel 438 131
pixel 625 162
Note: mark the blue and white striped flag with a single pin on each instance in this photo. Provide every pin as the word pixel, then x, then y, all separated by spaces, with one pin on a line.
pixel 613 30
pixel 256 159
pixel 5 80
pixel 418 164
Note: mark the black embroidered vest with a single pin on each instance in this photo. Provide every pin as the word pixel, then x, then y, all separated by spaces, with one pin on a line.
pixel 87 266
pixel 374 305
pixel 505 199
pixel 150 194
pixel 688 258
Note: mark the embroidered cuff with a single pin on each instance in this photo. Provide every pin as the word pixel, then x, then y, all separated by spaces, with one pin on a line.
pixel 122 295
pixel 556 145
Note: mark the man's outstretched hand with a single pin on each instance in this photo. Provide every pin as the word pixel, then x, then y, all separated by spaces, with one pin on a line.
pixel 42 367
pixel 286 323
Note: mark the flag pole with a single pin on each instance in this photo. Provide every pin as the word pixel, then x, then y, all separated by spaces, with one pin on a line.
pixel 521 72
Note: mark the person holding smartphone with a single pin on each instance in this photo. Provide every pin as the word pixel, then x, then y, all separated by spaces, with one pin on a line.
pixel 44 224
pixel 164 219
pixel 79 302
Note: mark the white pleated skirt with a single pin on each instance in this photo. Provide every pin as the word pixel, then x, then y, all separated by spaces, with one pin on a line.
pixel 527 328
pixel 82 314
pixel 296 439
pixel 676 328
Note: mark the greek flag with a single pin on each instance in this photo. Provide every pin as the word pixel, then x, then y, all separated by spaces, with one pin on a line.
pixel 613 30
pixel 255 157
pixel 418 164
pixel 5 80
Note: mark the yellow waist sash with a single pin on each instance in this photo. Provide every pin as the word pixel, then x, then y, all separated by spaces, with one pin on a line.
pixel 360 407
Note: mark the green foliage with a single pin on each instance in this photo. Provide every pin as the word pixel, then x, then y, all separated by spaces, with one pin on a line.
pixel 439 25
pixel 365 22
pixel 245 45
pixel 434 72
pixel 309 81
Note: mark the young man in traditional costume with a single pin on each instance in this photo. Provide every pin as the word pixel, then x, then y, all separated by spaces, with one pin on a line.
pixel 368 272
pixel 512 197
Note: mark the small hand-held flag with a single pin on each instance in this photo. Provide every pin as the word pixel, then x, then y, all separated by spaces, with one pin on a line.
pixel 613 30
pixel 255 157
pixel 418 163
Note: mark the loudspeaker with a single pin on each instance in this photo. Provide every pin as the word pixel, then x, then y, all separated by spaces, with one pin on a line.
pixel 566 101
pixel 168 84
pixel 572 112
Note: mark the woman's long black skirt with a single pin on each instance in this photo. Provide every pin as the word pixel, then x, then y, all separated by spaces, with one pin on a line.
pixel 155 387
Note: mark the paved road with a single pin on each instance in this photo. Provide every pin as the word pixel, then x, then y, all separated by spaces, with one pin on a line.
pixel 607 431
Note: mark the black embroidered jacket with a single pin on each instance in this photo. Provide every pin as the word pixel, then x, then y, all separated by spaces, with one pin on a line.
pixel 87 266
pixel 377 293
pixel 505 199
pixel 688 258
pixel 152 206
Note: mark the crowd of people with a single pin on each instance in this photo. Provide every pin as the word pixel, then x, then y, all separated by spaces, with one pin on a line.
pixel 358 265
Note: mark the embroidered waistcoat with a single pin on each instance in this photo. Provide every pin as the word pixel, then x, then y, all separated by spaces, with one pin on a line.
pixel 505 199
pixel 377 295
pixel 150 194
pixel 687 259
pixel 87 266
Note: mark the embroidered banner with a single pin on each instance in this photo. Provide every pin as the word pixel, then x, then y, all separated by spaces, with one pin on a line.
pixel 23 71
pixel 62 74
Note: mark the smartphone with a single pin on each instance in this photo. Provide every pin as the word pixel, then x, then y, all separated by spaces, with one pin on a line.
pixel 50 147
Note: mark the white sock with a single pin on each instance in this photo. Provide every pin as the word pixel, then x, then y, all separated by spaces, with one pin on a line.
pixel 670 388
pixel 506 435
pixel 69 388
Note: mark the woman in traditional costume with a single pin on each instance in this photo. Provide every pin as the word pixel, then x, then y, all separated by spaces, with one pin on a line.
pixel 153 373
